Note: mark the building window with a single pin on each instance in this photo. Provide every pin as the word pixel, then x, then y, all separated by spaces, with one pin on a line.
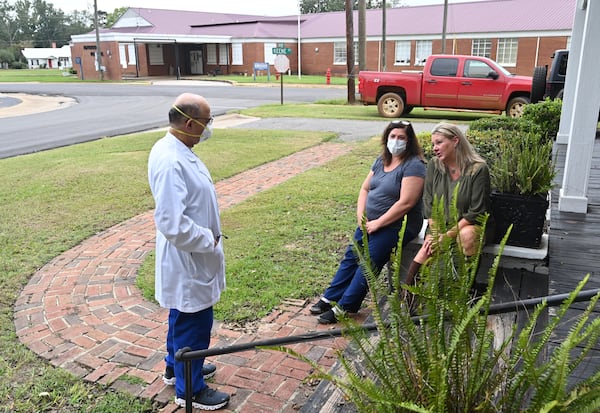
pixel 402 52
pixel 131 56
pixel 237 54
pixel 122 56
pixel 340 55
pixel 423 51
pixel 481 47
pixel 211 54
pixel 507 52
pixel 155 55
pixel 223 54
pixel 269 56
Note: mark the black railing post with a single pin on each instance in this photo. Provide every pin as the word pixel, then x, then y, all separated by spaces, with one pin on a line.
pixel 187 374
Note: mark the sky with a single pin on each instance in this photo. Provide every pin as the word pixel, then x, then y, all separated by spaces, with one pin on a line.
pixel 257 7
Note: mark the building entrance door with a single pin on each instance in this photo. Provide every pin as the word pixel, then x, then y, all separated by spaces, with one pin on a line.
pixel 196 66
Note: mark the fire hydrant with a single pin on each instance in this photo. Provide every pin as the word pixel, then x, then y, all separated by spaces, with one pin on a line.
pixel 328 76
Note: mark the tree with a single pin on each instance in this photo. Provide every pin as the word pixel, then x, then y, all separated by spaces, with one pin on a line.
pixel 39 24
pixel 6 58
pixel 111 18
pixel 49 25
pixel 322 6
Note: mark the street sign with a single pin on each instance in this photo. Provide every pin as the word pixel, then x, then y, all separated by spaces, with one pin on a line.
pixel 282 63
pixel 282 50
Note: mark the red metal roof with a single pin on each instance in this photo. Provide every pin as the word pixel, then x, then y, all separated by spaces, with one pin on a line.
pixel 483 16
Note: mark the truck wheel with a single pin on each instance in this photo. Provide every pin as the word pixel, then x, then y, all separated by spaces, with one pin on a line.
pixel 390 105
pixel 515 106
pixel 538 83
pixel 560 95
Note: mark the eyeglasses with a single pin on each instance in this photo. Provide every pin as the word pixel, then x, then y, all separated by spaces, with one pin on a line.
pixel 209 119
pixel 400 122
pixel 197 120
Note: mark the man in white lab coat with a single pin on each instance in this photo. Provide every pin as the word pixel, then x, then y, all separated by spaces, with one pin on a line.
pixel 190 264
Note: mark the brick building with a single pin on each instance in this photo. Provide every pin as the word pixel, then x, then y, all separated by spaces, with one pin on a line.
pixel 518 34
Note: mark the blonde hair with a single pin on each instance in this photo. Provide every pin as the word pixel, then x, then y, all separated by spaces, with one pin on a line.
pixel 466 156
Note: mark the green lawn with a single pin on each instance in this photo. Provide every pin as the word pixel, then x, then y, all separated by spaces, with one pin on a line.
pixel 53 200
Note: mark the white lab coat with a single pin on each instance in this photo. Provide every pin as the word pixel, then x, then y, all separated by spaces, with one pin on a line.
pixel 190 270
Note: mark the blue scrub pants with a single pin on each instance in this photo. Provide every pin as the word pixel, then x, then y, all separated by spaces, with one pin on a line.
pixel 349 285
pixel 188 330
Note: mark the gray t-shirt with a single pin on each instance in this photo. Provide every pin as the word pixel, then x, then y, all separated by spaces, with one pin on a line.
pixel 385 191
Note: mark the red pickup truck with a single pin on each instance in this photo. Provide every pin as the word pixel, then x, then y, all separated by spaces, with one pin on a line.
pixel 447 82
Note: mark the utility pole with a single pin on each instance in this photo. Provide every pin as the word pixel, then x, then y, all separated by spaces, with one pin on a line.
pixel 383 39
pixel 362 36
pixel 350 51
pixel 98 51
pixel 444 26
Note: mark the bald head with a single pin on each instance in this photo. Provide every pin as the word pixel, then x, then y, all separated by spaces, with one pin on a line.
pixel 195 106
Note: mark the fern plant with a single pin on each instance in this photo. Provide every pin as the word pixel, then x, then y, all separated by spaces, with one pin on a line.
pixel 524 166
pixel 447 360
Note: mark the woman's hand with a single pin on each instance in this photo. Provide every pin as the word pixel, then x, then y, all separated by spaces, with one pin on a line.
pixel 372 226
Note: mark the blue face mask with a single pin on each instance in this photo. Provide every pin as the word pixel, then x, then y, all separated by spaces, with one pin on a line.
pixel 396 146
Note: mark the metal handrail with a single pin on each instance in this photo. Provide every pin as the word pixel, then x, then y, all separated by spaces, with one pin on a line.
pixel 186 355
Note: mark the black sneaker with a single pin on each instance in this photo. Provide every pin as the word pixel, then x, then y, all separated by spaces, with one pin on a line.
pixel 208 371
pixel 169 376
pixel 206 399
pixel 320 307
pixel 328 317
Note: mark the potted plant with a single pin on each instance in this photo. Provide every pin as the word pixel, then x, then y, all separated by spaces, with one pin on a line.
pixel 522 176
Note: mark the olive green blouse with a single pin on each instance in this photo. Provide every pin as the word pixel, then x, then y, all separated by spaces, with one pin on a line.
pixel 473 197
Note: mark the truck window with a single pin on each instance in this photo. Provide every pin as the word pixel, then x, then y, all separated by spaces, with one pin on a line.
pixel 477 68
pixel 444 67
pixel 562 65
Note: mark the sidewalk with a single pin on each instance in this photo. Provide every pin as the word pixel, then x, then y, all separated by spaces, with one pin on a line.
pixel 82 312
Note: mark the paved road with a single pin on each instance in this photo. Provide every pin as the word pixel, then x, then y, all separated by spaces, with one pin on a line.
pixel 348 130
pixel 109 109
pixel 93 111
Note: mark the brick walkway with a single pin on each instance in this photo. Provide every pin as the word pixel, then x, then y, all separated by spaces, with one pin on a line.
pixel 82 312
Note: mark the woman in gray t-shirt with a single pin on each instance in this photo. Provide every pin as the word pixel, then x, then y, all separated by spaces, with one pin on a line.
pixel 391 191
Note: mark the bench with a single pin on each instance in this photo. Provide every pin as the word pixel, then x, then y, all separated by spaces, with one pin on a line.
pixel 533 260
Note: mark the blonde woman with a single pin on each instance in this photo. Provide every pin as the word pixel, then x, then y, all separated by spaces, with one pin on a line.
pixel 455 163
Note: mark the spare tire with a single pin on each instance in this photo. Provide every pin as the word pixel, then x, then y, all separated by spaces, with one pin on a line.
pixel 538 83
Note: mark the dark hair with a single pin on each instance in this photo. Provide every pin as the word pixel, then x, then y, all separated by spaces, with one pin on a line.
pixel 175 118
pixel 413 148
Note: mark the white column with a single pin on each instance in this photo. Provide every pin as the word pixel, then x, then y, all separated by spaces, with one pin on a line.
pixel 566 115
pixel 582 130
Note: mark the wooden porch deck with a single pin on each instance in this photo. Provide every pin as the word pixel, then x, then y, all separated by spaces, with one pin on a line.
pixel 574 249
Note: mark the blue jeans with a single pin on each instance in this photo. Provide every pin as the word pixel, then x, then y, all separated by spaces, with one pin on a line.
pixel 349 285
pixel 188 330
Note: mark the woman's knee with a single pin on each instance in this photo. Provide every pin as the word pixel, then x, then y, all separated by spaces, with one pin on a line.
pixel 469 238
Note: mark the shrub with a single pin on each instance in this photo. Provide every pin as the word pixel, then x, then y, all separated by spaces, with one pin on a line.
pixel 424 139
pixel 504 123
pixel 546 115
pixel 18 65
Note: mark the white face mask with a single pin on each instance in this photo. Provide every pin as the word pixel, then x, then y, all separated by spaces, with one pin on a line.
pixel 396 146
pixel 207 132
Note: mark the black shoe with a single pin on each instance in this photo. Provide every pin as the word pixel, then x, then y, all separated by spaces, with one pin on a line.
pixel 208 371
pixel 320 307
pixel 328 317
pixel 206 399
pixel 169 376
